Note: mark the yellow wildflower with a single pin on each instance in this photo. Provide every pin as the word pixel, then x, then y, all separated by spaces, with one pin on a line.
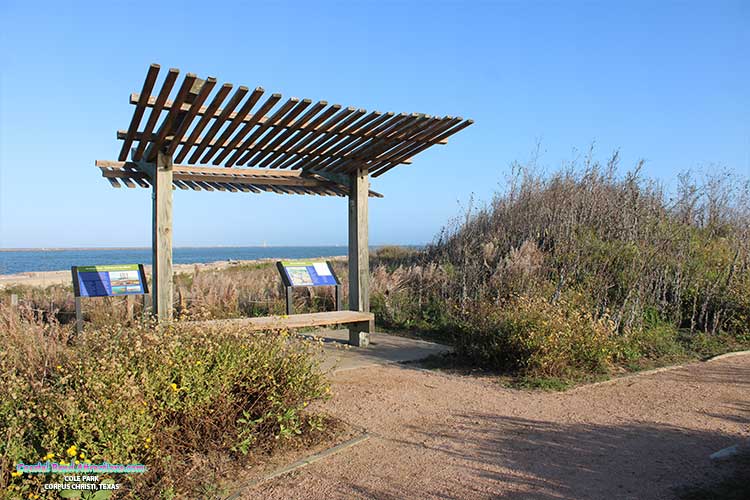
pixel 174 387
pixel 82 455
pixel 16 473
pixel 72 451
pixel 148 440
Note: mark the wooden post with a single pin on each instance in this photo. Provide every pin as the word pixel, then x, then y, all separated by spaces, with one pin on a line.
pixel 161 242
pixel 79 316
pixel 359 267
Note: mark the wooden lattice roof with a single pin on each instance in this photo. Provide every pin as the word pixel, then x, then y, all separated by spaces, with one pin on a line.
pixel 293 147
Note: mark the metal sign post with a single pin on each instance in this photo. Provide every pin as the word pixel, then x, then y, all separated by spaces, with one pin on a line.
pixel 307 273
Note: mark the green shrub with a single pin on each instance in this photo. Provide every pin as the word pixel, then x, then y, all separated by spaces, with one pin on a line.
pixel 532 336
pixel 642 346
pixel 159 397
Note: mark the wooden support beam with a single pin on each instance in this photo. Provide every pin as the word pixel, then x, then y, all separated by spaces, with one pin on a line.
pixel 161 244
pixel 140 172
pixel 359 268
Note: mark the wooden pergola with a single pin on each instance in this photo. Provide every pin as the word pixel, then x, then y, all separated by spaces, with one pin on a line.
pixel 252 142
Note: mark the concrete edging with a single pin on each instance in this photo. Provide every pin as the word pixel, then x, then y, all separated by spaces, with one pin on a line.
pixel 299 464
pixel 658 370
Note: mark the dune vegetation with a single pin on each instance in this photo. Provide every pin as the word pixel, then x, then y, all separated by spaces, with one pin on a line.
pixel 582 273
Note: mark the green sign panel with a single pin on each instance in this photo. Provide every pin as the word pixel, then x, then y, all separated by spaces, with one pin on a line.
pixel 307 273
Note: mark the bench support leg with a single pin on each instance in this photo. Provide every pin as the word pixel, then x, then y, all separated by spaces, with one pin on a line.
pixel 359 333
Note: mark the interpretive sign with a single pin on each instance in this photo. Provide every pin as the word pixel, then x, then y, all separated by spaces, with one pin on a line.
pixel 109 281
pixel 307 273
pixel 120 280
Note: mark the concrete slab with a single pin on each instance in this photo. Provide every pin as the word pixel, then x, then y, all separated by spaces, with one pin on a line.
pixel 384 349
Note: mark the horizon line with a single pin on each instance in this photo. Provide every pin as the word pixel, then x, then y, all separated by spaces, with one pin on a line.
pixel 55 249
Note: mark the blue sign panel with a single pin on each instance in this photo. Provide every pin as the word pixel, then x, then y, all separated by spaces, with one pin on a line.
pixel 109 281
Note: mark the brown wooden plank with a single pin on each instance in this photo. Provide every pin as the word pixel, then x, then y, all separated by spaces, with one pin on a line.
pixel 140 107
pixel 423 140
pixel 169 124
pixel 322 129
pixel 296 125
pixel 361 142
pixel 416 135
pixel 195 134
pixel 381 141
pixel 313 148
pixel 276 145
pixel 237 142
pixel 180 184
pixel 298 139
pixel 166 88
pixel 323 149
pixel 268 149
pixel 339 149
pixel 272 128
pixel 234 124
pixel 380 169
pixel 190 115
pixel 219 122
pixel 299 320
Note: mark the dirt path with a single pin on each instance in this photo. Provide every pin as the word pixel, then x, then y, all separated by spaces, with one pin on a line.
pixel 439 437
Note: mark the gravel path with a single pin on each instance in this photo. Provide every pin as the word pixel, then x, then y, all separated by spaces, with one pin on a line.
pixel 437 436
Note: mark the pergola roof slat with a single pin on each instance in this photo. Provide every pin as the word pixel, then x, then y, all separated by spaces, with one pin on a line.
pixel 232 125
pixel 322 129
pixel 293 143
pixel 205 90
pixel 326 147
pixel 258 158
pixel 140 108
pixel 169 120
pixel 425 131
pixel 314 149
pixel 195 134
pixel 289 147
pixel 166 88
pixel 234 101
pixel 277 117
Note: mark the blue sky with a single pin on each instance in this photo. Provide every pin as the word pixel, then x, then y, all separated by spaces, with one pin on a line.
pixel 668 82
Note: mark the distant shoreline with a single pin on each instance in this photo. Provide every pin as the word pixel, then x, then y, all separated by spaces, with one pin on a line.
pixel 63 276
pixel 95 249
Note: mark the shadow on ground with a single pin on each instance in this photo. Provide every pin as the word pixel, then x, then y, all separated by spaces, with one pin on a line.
pixel 383 349
pixel 526 458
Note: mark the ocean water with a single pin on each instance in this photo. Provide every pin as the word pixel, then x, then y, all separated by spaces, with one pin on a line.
pixel 20 261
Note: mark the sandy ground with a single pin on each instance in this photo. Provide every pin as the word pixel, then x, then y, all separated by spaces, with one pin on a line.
pixel 440 436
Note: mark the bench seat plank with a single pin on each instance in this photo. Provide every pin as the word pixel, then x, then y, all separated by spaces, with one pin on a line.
pixel 304 320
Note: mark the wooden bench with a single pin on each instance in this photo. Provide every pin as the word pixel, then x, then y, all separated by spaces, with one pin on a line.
pixel 360 324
